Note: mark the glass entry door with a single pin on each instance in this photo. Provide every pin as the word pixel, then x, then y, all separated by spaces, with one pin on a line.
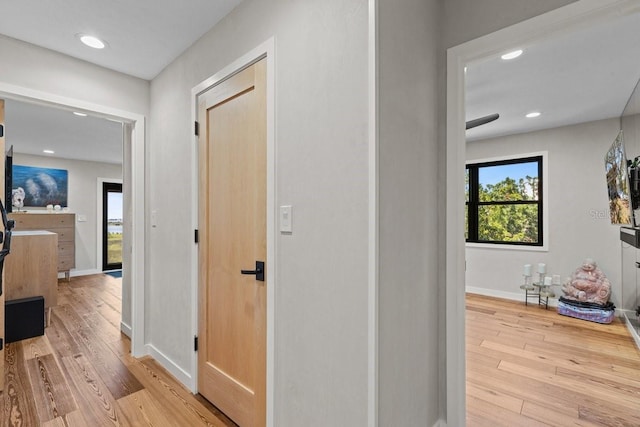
pixel 111 226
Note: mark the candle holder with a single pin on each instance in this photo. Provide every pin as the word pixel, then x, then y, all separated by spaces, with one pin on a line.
pixel 545 290
pixel 541 277
pixel 528 288
pixel 540 289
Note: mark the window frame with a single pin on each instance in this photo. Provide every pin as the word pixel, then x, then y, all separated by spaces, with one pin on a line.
pixel 473 203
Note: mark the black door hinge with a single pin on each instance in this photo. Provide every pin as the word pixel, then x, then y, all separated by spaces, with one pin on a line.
pixel 197 129
pixel 1 131
pixel 195 343
pixel 1 344
pixel 196 236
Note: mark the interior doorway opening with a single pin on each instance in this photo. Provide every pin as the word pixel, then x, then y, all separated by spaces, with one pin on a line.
pixel 134 210
pixel 560 21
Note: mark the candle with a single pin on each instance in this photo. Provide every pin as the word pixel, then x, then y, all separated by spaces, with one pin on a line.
pixel 542 268
pixel 547 281
pixel 527 270
pixel 556 279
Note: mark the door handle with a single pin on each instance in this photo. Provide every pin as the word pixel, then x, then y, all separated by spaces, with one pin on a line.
pixel 258 272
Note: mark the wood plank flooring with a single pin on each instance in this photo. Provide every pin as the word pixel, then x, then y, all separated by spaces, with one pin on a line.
pixel 80 373
pixel 527 366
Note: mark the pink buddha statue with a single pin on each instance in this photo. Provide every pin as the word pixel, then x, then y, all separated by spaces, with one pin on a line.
pixel 588 284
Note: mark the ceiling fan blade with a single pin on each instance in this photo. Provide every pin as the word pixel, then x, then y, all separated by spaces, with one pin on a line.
pixel 482 120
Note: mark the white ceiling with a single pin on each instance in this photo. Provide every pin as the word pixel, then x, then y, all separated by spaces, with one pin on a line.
pixel 143 37
pixel 31 128
pixel 583 76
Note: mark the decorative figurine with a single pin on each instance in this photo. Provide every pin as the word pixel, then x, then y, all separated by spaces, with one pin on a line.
pixel 588 284
pixel 17 198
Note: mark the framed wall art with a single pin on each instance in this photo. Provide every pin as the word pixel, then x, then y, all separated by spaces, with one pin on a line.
pixel 42 186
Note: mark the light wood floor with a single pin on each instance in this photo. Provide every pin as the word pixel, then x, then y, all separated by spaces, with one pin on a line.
pixel 527 366
pixel 80 372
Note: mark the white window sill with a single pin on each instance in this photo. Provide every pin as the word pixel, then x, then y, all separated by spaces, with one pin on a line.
pixel 543 248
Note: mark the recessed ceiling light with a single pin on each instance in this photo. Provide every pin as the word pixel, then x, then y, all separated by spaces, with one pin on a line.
pixel 48 151
pixel 512 55
pixel 533 114
pixel 79 114
pixel 92 41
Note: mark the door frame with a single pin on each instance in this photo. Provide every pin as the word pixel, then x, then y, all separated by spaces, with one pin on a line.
pixel 136 153
pixel 266 51
pixel 556 22
pixel 100 219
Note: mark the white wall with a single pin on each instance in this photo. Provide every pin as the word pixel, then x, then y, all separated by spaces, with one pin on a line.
pixel 322 152
pixel 82 200
pixel 408 283
pixel 631 124
pixel 631 134
pixel 41 69
pixel 469 19
pixel 579 224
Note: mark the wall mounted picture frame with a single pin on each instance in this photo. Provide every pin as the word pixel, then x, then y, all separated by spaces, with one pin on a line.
pixel 615 163
pixel 42 186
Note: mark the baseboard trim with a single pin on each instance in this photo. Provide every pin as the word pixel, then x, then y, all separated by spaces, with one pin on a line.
pixel 125 329
pixel 514 296
pixel 180 374
pixel 76 273
pixel 628 314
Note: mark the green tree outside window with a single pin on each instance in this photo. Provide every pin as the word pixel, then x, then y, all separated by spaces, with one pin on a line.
pixel 503 203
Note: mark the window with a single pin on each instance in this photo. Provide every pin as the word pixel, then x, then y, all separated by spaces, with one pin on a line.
pixel 504 202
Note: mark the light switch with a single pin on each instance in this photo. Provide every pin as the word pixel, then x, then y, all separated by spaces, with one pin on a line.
pixel 286 220
pixel 82 218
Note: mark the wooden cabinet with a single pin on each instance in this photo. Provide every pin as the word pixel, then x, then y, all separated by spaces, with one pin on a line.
pixel 63 224
pixel 30 268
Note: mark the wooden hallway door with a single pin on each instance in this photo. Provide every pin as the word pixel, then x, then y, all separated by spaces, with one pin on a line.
pixel 232 248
